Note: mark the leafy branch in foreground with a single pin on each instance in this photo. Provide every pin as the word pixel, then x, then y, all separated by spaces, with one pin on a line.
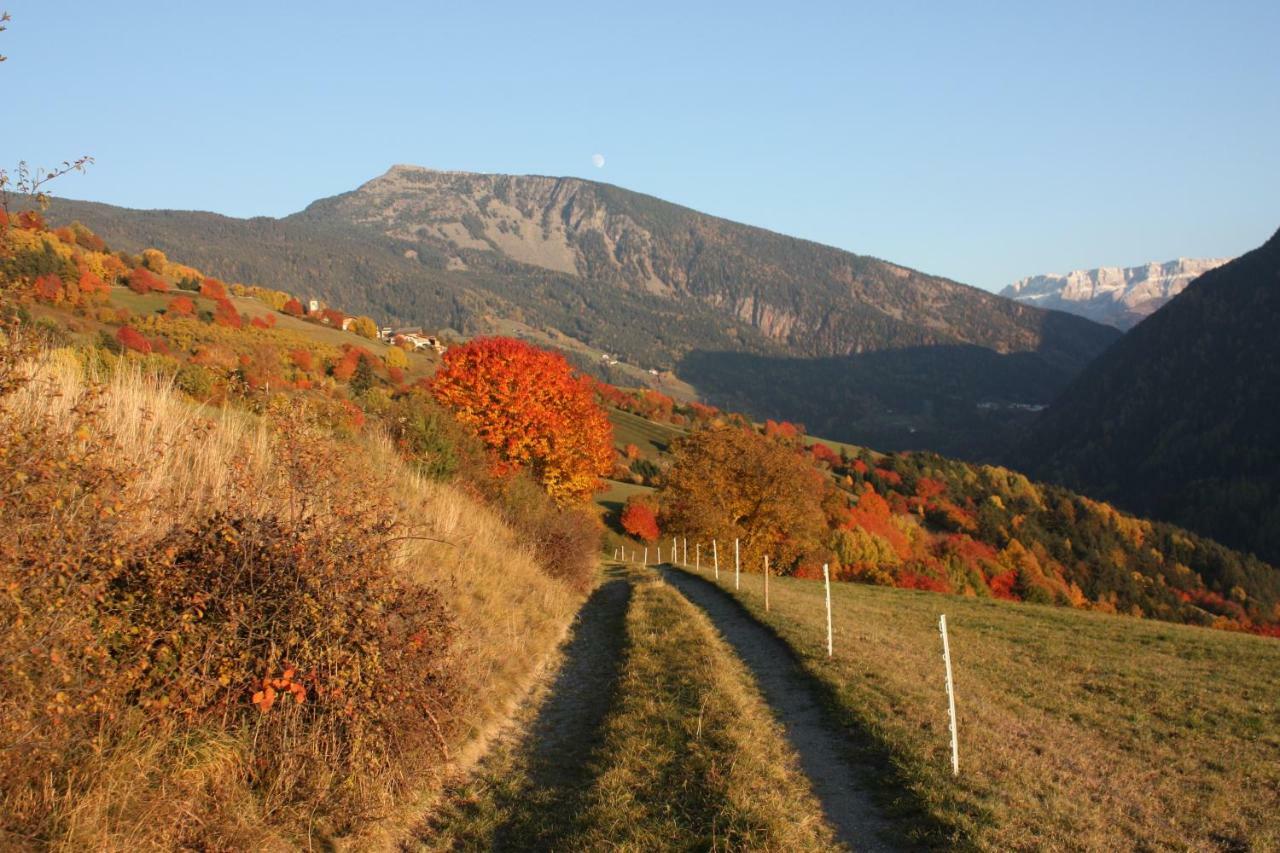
pixel 25 181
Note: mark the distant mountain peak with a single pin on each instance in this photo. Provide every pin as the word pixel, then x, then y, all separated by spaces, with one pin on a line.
pixel 1117 296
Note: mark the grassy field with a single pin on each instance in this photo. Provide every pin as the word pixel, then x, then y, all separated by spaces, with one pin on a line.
pixel 1077 730
pixel 652 439
pixel 420 363
pixel 689 758
pixel 616 494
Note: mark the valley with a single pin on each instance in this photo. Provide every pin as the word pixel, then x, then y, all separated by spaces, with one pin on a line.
pixel 585 700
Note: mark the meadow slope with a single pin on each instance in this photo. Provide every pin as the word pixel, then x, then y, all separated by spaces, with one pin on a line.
pixel 1077 730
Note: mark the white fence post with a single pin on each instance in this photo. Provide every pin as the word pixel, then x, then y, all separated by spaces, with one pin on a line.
pixel 685 561
pixel 715 556
pixel 826 578
pixel 951 696
pixel 697 557
pixel 646 555
pixel 675 552
pixel 659 555
pixel 737 569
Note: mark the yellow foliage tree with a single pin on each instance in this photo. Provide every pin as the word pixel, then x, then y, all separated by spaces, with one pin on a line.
pixel 365 327
pixel 396 358
pixel 154 260
pixel 726 483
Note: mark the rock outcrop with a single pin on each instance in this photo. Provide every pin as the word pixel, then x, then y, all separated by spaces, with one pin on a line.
pixel 1120 297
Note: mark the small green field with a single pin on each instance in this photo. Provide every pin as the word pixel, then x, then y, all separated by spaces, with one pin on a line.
pixel 653 439
pixel 616 494
pixel 1077 730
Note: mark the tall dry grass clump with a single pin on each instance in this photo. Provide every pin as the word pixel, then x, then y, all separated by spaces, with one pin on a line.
pixel 226 631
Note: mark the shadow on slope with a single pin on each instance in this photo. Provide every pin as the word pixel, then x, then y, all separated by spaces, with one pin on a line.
pixel 959 400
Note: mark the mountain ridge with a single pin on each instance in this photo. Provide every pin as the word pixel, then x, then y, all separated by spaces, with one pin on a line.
pixel 656 284
pixel 1118 296
pixel 1176 421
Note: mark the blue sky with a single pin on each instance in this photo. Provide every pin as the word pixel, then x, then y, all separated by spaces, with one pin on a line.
pixel 984 143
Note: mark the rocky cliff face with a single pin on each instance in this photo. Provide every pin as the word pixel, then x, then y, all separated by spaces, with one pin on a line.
pixel 809 299
pixel 1119 297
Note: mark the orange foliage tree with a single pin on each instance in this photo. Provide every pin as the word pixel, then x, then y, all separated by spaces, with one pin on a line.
pixel 213 289
pixel 532 411
pixel 727 483
pixel 225 314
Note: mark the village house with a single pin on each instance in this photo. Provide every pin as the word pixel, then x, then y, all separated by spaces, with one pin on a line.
pixel 417 338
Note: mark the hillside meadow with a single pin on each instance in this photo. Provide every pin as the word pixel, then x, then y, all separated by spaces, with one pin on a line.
pixel 154 770
pixel 1077 730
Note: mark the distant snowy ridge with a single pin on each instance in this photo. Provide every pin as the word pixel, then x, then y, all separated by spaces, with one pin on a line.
pixel 1120 297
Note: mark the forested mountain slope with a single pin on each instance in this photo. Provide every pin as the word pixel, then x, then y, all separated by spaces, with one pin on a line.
pixel 663 287
pixel 1178 420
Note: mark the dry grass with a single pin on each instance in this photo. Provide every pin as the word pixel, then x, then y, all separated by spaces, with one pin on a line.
pixel 1077 730
pixel 688 757
pixel 156 791
pixel 693 758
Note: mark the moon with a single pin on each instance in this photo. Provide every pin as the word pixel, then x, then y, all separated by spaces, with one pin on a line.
pixel 597 160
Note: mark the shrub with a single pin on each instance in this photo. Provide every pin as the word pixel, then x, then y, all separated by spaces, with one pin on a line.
pixel 565 541
pixel 213 289
pixel 279 623
pixel 141 280
pixel 301 358
pixel 49 288
pixel 225 314
pixel 426 434
pixel 639 519
pixel 131 339
pixel 195 381
pixel 181 306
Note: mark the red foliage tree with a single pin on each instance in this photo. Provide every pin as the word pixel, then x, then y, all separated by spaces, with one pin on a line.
pixel 781 429
pixel 49 288
pixel 822 453
pixel 1001 585
pixel 213 289
pixel 639 519
pixel 225 314
pixel 332 317
pixel 143 280
pixel 531 410
pixel 873 515
pixel 301 359
pixel 130 338
pixel 293 308
pixel 31 220
pixel 181 306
